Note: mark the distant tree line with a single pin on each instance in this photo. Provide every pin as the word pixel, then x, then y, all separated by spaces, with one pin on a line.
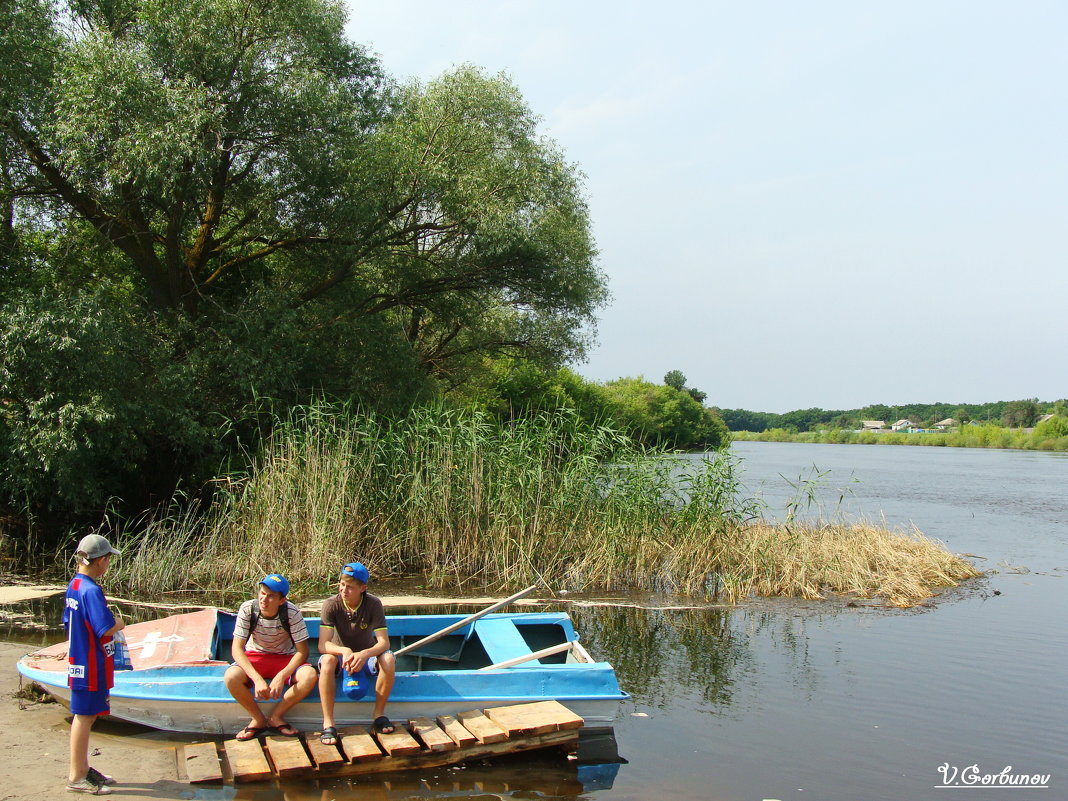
pixel 1011 414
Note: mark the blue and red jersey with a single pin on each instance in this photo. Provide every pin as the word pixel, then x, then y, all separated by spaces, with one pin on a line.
pixel 91 665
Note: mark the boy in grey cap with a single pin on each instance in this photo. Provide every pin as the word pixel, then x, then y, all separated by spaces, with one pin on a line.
pixel 90 655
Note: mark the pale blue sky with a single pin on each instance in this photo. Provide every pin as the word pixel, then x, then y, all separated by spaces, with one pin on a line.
pixel 798 204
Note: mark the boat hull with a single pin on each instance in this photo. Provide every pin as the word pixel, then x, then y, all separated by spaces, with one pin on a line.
pixel 177 682
pixel 225 717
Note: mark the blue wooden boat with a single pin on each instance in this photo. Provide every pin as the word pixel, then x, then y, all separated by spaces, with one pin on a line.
pixel 176 683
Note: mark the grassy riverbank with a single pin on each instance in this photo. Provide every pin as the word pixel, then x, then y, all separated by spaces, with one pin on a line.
pixel 1043 438
pixel 466 500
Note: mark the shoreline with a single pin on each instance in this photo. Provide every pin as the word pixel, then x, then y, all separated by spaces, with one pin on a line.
pixel 1009 440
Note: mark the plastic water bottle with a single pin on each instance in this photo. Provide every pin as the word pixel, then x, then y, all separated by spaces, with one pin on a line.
pixel 121 652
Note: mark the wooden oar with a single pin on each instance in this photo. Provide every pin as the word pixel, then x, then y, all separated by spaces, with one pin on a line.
pixel 519 660
pixel 471 618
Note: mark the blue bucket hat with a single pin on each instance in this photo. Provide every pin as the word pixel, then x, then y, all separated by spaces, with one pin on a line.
pixel 357 571
pixel 276 582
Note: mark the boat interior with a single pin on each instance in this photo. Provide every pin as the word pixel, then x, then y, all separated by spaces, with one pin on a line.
pixel 488 641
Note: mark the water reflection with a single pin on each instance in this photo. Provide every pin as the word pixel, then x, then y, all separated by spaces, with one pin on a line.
pixel 709 651
pixel 39 621
pixel 518 777
pixel 655 651
pixel 36 622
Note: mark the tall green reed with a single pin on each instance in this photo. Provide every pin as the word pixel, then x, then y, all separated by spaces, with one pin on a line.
pixel 461 498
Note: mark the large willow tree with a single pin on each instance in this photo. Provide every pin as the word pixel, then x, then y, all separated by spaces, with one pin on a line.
pixel 206 201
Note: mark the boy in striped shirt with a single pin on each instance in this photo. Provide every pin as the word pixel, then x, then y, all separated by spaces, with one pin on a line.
pixel 270 659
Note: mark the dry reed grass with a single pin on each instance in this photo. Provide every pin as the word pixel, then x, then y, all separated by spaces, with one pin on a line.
pixel 812 559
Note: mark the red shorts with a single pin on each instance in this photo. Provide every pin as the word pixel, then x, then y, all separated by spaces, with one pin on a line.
pixel 270 665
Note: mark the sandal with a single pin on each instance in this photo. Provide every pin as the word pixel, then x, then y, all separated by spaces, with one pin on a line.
pixel 329 733
pixel 286 730
pixel 250 733
pixel 383 725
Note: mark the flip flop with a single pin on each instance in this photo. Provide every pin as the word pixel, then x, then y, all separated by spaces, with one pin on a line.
pixel 329 733
pixel 383 725
pixel 250 733
pixel 285 730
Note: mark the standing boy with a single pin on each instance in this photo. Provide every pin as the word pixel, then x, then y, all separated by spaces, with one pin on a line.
pixel 91 667
pixel 277 659
pixel 357 621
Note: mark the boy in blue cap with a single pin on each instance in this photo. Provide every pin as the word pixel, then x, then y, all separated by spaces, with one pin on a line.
pixel 278 658
pixel 353 638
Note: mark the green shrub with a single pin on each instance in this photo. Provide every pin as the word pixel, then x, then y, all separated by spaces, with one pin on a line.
pixel 1054 428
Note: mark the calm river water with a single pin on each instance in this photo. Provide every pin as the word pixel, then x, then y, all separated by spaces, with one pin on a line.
pixel 791 701
pixel 812 701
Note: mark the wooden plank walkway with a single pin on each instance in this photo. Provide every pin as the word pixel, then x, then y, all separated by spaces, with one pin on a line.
pixel 424 743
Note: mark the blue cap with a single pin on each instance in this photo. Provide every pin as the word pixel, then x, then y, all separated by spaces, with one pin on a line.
pixel 357 571
pixel 356 685
pixel 276 582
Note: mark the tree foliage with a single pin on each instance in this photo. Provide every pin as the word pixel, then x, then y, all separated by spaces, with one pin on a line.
pixel 651 414
pixel 221 146
pixel 675 379
pixel 247 206
pixel 1020 414
pixel 1053 428
pixel 658 414
pixel 518 389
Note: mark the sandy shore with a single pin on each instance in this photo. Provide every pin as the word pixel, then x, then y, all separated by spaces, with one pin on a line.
pixel 34 739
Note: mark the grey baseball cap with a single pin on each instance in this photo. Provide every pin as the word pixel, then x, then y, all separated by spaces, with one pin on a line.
pixel 93 546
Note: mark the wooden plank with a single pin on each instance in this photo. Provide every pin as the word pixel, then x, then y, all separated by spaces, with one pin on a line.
pixel 288 755
pixel 484 729
pixel 359 746
pixel 323 755
pixel 428 733
pixel 399 743
pixel 201 763
pixel 228 772
pixel 433 759
pixel 539 717
pixel 457 733
pixel 247 760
